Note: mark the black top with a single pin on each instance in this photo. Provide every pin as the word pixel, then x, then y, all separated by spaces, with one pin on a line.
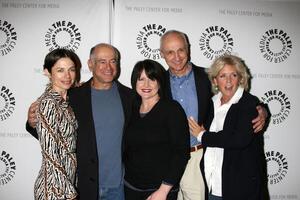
pixel 243 161
pixel 156 146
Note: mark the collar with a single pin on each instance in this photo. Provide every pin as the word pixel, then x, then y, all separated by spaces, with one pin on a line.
pixel 187 75
pixel 236 97
pixel 57 97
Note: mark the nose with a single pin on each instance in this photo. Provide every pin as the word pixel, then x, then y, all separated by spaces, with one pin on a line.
pixel 108 66
pixel 146 83
pixel 228 79
pixel 68 74
pixel 177 56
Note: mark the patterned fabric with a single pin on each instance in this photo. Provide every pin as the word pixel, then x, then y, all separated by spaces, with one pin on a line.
pixel 56 129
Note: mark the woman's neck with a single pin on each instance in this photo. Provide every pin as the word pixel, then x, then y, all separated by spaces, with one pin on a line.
pixel 148 104
pixel 224 100
pixel 61 92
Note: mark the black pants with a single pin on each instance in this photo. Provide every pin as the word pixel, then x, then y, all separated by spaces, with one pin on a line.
pixel 136 195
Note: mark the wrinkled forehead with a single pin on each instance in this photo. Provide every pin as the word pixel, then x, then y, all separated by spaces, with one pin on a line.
pixel 173 42
pixel 104 52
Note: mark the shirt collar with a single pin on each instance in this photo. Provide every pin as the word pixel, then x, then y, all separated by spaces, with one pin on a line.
pixel 187 75
pixel 57 97
pixel 236 97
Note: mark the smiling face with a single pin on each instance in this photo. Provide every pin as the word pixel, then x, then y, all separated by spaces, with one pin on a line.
pixel 103 65
pixel 62 75
pixel 174 49
pixel 227 81
pixel 147 88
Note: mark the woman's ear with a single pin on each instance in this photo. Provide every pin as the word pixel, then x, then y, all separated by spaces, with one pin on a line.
pixel 214 80
pixel 241 82
pixel 46 73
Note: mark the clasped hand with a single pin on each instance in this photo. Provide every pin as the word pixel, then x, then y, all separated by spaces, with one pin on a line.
pixel 195 128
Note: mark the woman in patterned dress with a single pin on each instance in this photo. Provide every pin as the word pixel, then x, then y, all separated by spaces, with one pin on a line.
pixel 56 128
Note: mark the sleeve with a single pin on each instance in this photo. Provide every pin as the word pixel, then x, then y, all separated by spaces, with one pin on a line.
pixel 180 143
pixel 51 146
pixel 240 132
pixel 31 130
pixel 199 137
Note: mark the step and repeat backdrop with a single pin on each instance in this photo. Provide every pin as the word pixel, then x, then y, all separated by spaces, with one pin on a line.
pixel 266 34
pixel 29 29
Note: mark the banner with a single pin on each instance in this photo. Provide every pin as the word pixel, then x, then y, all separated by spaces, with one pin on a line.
pixel 265 34
pixel 29 29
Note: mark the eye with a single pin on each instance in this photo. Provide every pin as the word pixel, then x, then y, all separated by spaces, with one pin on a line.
pixel 100 61
pixel 234 75
pixel 153 81
pixel 181 50
pixel 113 61
pixel 222 76
pixel 168 53
pixel 72 69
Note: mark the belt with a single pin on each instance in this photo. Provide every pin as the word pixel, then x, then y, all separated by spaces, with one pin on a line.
pixel 196 148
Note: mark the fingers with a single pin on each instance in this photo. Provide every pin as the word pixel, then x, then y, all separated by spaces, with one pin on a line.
pixel 258 126
pixel 32 109
pixel 33 106
pixel 195 128
pixel 31 116
pixel 260 120
pixel 192 123
pixel 258 129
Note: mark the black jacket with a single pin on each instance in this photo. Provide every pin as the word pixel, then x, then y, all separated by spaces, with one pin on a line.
pixel 87 156
pixel 203 89
pixel 242 170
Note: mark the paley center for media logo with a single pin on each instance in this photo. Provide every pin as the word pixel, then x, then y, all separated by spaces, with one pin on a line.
pixel 7 103
pixel 8 37
pixel 279 105
pixel 215 41
pixel 148 40
pixel 275 45
pixel 7 168
pixel 63 34
pixel 277 166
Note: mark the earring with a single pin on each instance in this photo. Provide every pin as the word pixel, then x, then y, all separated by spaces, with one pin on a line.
pixel 216 87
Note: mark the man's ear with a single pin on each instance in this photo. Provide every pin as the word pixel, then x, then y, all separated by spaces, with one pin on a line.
pixel 90 64
pixel 162 55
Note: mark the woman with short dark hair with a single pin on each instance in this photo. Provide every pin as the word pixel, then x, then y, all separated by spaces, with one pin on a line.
pixel 156 142
pixel 56 128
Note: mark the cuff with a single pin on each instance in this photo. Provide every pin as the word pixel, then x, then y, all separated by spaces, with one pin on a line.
pixel 199 137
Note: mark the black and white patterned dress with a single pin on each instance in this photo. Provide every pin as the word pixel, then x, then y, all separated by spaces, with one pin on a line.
pixel 56 129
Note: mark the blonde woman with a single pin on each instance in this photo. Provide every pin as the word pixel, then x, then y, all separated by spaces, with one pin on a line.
pixel 233 158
